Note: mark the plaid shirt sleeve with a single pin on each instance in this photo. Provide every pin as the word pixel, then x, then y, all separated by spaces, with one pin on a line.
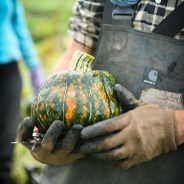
pixel 84 25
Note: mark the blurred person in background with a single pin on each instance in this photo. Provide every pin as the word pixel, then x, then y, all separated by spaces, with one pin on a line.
pixel 15 44
pixel 148 136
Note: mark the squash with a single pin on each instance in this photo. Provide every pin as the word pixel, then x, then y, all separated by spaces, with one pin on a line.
pixel 80 95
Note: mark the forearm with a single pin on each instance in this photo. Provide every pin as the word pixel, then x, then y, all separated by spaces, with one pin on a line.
pixel 179 115
pixel 64 63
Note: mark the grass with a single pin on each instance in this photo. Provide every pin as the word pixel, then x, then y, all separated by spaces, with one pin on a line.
pixel 48 24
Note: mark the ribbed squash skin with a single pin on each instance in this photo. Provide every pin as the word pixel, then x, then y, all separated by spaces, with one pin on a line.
pixel 75 97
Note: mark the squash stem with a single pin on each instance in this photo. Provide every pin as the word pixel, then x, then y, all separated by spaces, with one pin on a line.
pixel 81 61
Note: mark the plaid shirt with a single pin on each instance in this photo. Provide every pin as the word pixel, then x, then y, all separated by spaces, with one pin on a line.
pixel 84 25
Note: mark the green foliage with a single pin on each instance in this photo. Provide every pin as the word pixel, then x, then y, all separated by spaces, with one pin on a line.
pixel 47 18
pixel 48 24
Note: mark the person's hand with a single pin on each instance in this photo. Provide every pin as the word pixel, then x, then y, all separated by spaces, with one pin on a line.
pixel 134 137
pixel 51 149
pixel 36 79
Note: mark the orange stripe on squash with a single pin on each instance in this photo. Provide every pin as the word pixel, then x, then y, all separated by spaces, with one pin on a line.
pixel 85 110
pixel 61 93
pixel 70 103
pixel 55 88
pixel 104 98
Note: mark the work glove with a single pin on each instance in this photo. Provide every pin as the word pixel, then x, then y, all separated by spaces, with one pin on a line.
pixel 55 148
pixel 134 137
pixel 36 79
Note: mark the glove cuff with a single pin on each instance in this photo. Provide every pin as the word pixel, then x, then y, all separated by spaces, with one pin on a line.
pixel 161 133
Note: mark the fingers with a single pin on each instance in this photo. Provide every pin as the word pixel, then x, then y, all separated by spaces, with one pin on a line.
pixel 122 156
pixel 125 97
pixel 103 143
pixel 52 135
pixel 75 156
pixel 103 127
pixel 130 162
pixel 71 138
pixel 127 164
pixel 25 130
pixel 56 150
pixel 51 142
pixel 118 153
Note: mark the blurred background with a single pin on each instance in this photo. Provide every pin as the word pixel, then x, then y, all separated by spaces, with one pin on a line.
pixel 48 24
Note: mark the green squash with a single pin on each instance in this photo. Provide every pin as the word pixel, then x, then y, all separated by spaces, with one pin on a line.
pixel 80 95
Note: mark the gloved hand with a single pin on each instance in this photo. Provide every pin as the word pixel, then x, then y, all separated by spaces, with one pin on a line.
pixel 134 137
pixel 52 149
pixel 36 79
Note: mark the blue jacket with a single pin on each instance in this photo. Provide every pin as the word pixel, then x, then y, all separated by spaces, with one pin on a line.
pixel 15 39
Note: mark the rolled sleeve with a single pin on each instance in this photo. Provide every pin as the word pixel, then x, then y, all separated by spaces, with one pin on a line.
pixel 85 24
